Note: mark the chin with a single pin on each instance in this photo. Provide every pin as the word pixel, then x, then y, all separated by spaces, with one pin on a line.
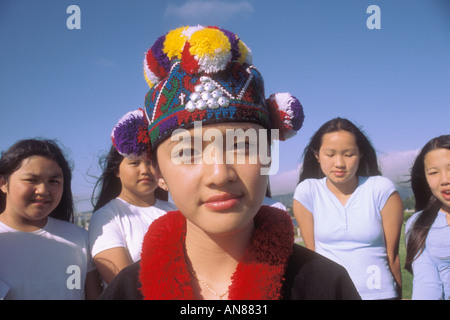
pixel 226 223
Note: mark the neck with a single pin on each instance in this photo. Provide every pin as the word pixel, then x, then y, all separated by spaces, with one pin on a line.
pixel 346 188
pixel 214 258
pixel 343 191
pixel 146 201
pixel 20 224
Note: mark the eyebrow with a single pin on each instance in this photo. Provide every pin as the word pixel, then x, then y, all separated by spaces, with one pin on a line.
pixel 57 175
pixel 183 137
pixel 436 167
pixel 345 150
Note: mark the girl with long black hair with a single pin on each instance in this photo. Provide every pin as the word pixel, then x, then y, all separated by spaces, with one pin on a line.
pixel 428 230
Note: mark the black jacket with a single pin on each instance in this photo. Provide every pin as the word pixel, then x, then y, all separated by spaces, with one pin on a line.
pixel 308 276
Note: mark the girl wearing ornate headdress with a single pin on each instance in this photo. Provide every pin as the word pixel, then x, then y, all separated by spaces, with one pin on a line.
pixel 209 123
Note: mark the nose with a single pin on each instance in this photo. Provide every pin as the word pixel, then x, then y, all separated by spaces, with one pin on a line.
pixel 445 177
pixel 146 167
pixel 219 173
pixel 339 161
pixel 42 189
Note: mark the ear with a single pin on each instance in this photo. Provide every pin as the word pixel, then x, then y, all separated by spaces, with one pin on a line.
pixel 316 154
pixel 3 185
pixel 162 184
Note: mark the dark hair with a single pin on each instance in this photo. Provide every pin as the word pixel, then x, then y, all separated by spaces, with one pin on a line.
pixel 368 165
pixel 12 159
pixel 109 184
pixel 425 201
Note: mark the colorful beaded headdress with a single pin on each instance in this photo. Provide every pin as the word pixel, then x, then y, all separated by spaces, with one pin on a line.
pixel 206 74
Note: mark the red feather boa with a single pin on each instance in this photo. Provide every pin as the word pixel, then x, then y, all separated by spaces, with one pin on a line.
pixel 164 274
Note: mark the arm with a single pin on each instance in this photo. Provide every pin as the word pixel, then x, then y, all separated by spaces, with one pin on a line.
pixel 427 284
pixel 92 286
pixel 109 262
pixel 305 221
pixel 392 219
pixel 125 286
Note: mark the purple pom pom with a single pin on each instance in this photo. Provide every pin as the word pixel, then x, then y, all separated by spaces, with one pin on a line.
pixel 126 133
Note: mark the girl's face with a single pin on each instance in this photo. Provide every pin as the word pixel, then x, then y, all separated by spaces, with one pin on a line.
pixel 138 181
pixel 339 157
pixel 210 188
pixel 437 172
pixel 33 191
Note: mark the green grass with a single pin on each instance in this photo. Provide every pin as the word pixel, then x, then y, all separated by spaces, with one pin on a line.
pixel 406 276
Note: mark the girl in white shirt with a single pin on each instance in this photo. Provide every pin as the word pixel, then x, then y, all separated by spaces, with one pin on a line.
pixel 128 202
pixel 348 212
pixel 43 255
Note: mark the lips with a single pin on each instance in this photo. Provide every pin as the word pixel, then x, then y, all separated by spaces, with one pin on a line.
pixel 446 194
pixel 223 201
pixel 41 202
pixel 339 173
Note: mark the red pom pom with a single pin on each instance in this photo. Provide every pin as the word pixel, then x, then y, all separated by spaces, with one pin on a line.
pixel 286 114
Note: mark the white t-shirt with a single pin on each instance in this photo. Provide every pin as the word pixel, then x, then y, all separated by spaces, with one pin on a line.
pixel 352 235
pixel 120 224
pixel 49 263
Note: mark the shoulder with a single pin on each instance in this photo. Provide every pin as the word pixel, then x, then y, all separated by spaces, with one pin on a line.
pixel 55 225
pixel 308 186
pixel 379 183
pixel 124 286
pixel 111 206
pixel 66 230
pixel 311 182
pixel 114 208
pixel 409 223
pixel 310 275
pixel 165 205
pixel 376 188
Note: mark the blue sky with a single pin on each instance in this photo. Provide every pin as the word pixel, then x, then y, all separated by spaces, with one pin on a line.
pixel 73 85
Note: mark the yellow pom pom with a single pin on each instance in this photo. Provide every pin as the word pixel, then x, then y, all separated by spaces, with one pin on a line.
pixel 246 54
pixel 174 43
pixel 209 42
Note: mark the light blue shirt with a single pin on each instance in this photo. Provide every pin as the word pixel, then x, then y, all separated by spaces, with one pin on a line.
pixel 352 235
pixel 431 268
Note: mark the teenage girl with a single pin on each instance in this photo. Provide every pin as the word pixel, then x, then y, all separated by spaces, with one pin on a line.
pixel 126 205
pixel 348 212
pixel 222 243
pixel 428 230
pixel 43 255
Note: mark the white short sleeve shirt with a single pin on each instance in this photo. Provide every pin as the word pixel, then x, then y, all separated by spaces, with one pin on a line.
pixel 352 235
pixel 120 224
pixel 49 263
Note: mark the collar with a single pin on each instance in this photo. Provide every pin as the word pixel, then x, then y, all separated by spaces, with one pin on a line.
pixel 164 273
